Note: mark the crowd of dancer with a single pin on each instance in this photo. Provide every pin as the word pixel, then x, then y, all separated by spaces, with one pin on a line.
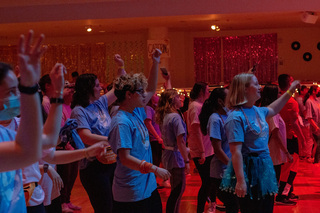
pixel 245 141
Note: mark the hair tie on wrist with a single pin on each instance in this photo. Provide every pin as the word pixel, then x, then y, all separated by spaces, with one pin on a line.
pixel 28 90
pixel 289 92
pixel 56 101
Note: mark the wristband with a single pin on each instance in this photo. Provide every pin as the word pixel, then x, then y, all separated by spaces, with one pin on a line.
pixel 28 90
pixel 289 92
pixel 45 168
pixel 56 101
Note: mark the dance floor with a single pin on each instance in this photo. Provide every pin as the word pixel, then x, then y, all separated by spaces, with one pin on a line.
pixel 307 187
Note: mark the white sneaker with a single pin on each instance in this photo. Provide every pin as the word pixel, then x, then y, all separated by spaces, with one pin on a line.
pixel 211 207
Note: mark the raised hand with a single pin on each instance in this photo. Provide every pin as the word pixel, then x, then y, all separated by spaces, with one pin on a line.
pixel 57 77
pixel 119 61
pixel 295 84
pixel 156 55
pixel 29 59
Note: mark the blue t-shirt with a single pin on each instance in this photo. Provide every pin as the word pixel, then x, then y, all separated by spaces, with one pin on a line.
pixel 94 117
pixel 129 131
pixel 215 129
pixel 11 187
pixel 238 130
pixel 171 128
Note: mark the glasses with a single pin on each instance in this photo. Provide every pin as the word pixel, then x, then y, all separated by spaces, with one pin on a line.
pixel 139 91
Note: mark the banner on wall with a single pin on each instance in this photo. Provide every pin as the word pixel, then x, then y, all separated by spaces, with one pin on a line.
pixel 163 45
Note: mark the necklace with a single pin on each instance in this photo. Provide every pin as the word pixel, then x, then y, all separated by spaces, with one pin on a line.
pixel 141 127
pixel 249 125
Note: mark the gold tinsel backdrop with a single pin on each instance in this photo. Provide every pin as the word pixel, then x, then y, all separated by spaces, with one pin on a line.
pixel 88 58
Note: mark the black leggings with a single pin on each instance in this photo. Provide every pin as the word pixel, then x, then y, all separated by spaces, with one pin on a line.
pixel 178 185
pixel 150 205
pixel 229 199
pixel 205 190
pixel 97 180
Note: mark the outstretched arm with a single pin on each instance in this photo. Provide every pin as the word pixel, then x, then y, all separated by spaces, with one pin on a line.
pixel 153 75
pixel 276 106
pixel 52 126
pixel 26 149
pixel 121 71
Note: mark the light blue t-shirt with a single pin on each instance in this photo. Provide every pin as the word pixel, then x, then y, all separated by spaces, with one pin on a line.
pixel 11 187
pixel 215 129
pixel 171 128
pixel 238 130
pixel 129 131
pixel 94 117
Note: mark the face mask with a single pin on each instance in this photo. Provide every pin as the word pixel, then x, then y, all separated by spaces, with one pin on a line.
pixel 11 108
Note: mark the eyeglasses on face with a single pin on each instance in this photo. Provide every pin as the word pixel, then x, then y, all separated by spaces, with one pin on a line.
pixel 139 91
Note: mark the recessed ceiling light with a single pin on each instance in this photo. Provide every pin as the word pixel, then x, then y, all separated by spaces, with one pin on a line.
pixel 102 31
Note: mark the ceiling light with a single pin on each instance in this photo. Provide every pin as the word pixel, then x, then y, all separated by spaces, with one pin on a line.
pixel 215 27
pixel 88 28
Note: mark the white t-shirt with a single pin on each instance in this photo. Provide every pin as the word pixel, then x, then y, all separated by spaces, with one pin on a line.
pixel 193 143
pixel 277 155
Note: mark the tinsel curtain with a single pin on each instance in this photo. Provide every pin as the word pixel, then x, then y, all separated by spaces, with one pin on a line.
pixel 207 60
pixel 239 54
pixel 87 58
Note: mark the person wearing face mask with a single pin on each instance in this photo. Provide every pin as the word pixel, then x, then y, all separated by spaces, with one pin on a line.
pixel 212 118
pixel 21 148
pixel 175 154
pixel 250 174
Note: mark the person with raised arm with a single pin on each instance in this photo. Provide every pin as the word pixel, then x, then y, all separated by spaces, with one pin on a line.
pixel 250 175
pixel 135 188
pixel 93 118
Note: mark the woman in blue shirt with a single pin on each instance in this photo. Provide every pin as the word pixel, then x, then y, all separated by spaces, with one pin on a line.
pixel 251 175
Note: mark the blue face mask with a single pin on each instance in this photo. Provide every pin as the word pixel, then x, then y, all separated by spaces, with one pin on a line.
pixel 11 107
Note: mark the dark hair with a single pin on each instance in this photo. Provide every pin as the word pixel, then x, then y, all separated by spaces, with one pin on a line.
pixel 83 89
pixel 197 88
pixel 303 87
pixel 75 74
pixel 210 106
pixel 4 70
pixel 269 94
pixel 43 81
pixel 284 81
pixel 310 91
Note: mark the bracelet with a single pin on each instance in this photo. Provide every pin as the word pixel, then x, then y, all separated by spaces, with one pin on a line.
pixel 289 92
pixel 28 90
pixel 56 101
pixel 45 168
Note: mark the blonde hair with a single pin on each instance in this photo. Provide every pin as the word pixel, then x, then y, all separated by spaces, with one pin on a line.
pixel 165 104
pixel 236 94
pixel 129 82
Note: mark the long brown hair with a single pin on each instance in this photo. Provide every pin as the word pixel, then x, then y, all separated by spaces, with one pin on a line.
pixel 165 104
